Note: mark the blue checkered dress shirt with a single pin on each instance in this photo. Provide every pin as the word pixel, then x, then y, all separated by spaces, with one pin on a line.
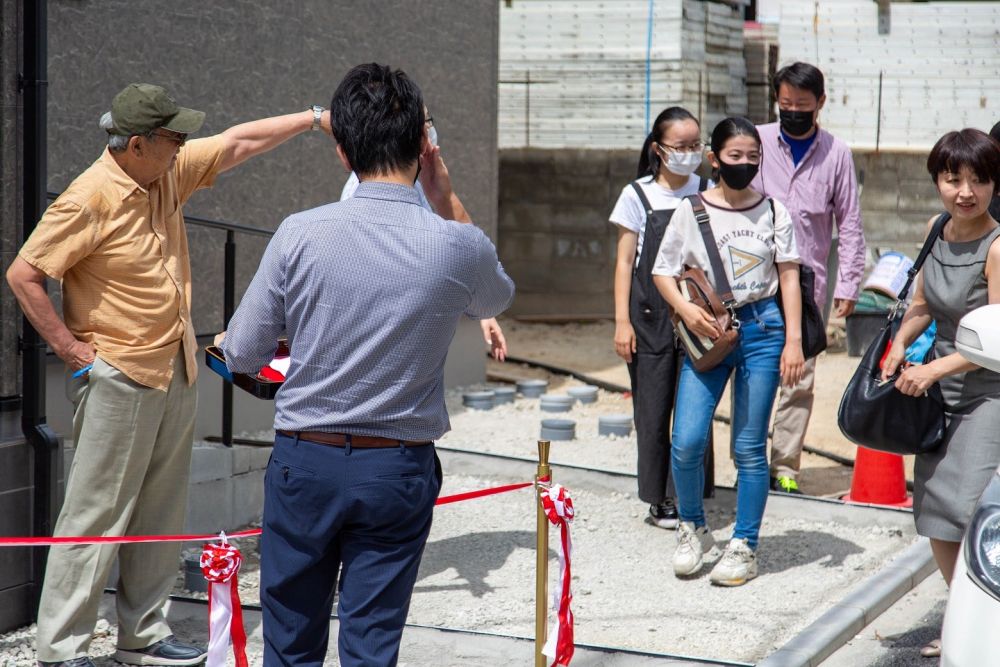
pixel 369 291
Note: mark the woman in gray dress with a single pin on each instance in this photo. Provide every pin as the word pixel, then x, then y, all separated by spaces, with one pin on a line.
pixel 961 274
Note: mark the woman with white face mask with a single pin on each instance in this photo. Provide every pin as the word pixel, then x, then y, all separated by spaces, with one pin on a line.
pixel 644 336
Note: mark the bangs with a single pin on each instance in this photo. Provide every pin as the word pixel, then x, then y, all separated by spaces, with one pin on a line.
pixel 966 148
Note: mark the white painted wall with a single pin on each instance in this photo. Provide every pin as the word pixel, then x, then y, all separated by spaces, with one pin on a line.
pixel 587 62
pixel 940 64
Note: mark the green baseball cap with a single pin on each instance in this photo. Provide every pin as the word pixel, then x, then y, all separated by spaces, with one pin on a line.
pixel 143 107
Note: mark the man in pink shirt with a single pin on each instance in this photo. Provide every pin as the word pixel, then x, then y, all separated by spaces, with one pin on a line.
pixel 812 173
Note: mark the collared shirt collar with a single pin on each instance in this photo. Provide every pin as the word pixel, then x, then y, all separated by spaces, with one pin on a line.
pixel 817 139
pixel 388 191
pixel 122 181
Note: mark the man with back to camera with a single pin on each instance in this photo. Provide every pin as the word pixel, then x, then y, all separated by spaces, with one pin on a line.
pixel 116 239
pixel 369 292
pixel 433 186
pixel 812 173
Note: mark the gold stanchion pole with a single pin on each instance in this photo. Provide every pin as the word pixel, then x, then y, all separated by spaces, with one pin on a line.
pixel 541 557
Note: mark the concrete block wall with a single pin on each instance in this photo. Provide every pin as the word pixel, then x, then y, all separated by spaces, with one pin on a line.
pixel 897 200
pixel 557 244
pixel 554 235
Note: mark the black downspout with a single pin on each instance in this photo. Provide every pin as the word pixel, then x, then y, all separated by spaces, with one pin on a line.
pixel 42 439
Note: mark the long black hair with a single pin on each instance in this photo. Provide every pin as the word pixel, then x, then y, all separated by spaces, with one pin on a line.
pixel 649 158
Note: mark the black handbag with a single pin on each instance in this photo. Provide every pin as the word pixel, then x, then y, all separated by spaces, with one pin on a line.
pixel 813 326
pixel 876 415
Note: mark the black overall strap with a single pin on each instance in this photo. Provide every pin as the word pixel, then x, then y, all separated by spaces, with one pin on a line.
pixel 718 270
pixel 644 199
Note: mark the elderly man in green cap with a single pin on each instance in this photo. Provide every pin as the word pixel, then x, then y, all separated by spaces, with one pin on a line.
pixel 116 240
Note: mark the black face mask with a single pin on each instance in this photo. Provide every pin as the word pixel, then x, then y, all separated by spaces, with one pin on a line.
pixel 796 123
pixel 737 176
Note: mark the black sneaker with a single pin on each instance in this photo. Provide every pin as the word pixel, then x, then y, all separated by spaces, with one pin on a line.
pixel 167 651
pixel 785 485
pixel 663 515
pixel 82 661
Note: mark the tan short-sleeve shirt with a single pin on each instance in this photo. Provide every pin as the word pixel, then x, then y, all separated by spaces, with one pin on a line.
pixel 121 253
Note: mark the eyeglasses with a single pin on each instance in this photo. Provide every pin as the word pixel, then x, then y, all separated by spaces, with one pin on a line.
pixel 696 147
pixel 429 121
pixel 178 139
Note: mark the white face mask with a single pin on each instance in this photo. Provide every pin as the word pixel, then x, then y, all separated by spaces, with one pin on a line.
pixel 432 135
pixel 683 164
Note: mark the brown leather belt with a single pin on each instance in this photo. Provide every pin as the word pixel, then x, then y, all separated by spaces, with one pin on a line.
pixel 360 441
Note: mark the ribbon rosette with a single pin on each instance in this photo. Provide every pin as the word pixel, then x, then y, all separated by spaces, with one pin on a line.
pixel 558 506
pixel 220 563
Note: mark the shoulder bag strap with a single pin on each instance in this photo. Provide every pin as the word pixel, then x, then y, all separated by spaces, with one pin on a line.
pixel 718 270
pixel 644 199
pixel 935 234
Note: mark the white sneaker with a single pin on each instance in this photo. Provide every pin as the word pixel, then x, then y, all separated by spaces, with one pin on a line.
pixel 737 566
pixel 693 544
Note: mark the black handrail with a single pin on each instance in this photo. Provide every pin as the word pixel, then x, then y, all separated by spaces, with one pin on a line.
pixel 228 297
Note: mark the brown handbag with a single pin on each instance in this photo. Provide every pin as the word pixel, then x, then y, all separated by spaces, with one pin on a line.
pixel 706 353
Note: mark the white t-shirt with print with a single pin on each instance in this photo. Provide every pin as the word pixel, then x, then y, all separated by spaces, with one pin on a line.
pixel 749 243
pixel 631 214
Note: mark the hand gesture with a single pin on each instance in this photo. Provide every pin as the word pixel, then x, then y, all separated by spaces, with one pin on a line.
pixel 792 364
pixel 78 355
pixel 893 361
pixel 699 321
pixel 495 340
pixel 916 379
pixel 625 341
pixel 434 175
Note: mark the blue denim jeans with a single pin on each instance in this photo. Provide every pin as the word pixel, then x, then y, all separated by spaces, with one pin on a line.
pixel 754 366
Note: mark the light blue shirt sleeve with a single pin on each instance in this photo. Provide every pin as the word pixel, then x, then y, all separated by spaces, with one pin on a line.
pixel 252 335
pixel 495 290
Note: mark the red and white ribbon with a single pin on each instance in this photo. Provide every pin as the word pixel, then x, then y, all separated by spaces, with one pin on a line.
pixel 220 563
pixel 558 506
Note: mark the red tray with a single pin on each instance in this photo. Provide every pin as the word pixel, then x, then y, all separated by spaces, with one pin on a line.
pixel 252 384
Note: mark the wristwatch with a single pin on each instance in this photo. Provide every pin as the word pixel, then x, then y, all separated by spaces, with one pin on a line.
pixel 317 116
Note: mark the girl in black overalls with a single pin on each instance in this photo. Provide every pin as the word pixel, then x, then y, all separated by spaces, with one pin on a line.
pixel 644 336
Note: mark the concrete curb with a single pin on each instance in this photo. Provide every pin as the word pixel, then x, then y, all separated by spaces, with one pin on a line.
pixel 859 608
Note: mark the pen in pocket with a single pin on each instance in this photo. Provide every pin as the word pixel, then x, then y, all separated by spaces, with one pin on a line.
pixel 83 371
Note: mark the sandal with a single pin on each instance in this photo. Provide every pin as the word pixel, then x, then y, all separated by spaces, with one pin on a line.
pixel 932 649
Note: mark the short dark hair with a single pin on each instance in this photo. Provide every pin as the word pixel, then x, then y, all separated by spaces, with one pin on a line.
pixel 377 116
pixel 995 132
pixel 649 159
pixel 801 75
pixel 970 148
pixel 728 128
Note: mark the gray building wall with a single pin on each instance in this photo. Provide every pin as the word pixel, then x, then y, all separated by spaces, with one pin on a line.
pixel 242 61
pixel 238 61
pixel 558 246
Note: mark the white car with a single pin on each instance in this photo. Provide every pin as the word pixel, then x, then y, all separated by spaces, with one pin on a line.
pixel 971 634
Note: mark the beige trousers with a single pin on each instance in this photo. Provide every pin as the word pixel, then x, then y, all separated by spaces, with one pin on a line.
pixel 129 477
pixel 791 419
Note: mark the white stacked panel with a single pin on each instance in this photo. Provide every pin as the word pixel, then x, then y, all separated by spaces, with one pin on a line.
pixel 586 63
pixel 940 67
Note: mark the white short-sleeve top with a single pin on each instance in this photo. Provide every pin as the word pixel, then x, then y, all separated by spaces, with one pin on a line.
pixel 750 241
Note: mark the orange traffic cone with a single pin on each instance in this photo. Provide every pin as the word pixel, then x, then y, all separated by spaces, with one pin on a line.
pixel 878 479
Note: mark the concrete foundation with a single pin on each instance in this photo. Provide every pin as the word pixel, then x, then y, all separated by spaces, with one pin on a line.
pixel 557 244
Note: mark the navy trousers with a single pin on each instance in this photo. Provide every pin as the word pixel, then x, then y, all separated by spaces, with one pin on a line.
pixel 365 511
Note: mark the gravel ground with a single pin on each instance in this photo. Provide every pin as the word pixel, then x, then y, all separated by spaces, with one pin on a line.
pixel 478 573
pixel 478 568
